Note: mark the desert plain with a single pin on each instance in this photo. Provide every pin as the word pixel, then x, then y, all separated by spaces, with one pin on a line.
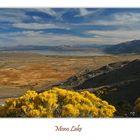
pixel 20 71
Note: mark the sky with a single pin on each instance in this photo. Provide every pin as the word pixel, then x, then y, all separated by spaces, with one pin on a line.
pixel 69 26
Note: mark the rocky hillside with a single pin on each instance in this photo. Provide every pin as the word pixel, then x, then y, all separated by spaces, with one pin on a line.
pixel 118 83
pixel 79 80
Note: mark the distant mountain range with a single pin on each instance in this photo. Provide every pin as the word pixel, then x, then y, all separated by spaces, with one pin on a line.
pixel 121 48
pixel 52 48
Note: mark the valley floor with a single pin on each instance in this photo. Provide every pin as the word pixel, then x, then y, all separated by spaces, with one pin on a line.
pixel 22 71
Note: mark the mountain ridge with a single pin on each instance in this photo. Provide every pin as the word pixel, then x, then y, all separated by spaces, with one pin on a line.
pixel 124 48
pixel 129 47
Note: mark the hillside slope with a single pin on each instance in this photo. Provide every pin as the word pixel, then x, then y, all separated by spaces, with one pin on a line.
pixel 124 48
pixel 118 83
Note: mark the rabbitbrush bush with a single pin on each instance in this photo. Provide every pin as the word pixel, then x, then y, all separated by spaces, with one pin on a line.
pixel 137 106
pixel 57 103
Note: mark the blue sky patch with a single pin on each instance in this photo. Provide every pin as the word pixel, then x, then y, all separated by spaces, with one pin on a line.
pixel 69 26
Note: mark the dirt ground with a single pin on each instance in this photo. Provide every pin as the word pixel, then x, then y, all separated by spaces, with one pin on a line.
pixel 22 71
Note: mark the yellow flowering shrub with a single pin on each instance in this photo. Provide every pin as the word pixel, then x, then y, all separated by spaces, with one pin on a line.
pixel 137 106
pixel 57 102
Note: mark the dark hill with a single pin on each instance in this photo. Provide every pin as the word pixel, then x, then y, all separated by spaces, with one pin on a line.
pixel 124 48
pixel 129 72
pixel 78 81
pixel 118 83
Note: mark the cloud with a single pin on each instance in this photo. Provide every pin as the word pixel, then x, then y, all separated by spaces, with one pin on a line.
pixel 52 12
pixel 20 15
pixel 28 26
pixel 13 15
pixel 48 11
pixel 85 12
pixel 41 38
pixel 114 36
pixel 39 26
pixel 117 19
